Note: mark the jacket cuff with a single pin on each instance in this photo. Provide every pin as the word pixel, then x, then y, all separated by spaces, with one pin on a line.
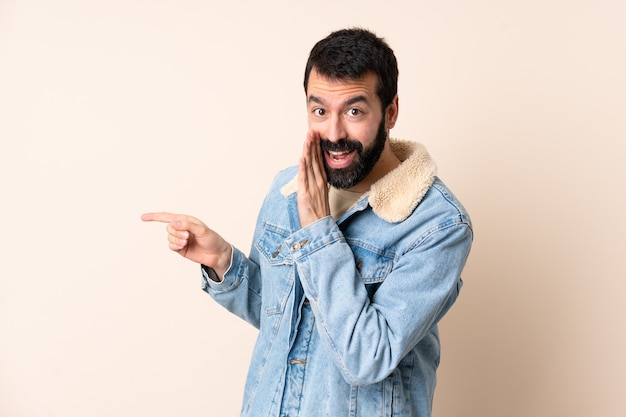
pixel 313 237
pixel 210 278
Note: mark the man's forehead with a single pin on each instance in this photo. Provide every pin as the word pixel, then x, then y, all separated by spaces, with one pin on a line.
pixel 320 85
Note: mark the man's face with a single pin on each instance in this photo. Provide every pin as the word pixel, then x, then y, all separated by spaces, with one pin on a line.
pixel 348 117
pixel 362 163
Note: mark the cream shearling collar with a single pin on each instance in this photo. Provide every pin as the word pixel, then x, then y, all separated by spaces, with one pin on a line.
pixel 394 197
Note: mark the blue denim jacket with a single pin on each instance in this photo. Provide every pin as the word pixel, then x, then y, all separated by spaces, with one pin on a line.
pixel 347 311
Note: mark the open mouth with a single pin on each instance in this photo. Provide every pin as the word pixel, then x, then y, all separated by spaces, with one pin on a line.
pixel 339 160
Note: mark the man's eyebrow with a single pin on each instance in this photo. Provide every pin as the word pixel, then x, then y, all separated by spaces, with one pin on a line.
pixel 315 99
pixel 348 102
pixel 355 99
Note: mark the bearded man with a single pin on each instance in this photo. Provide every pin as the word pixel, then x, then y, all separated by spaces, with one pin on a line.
pixel 357 253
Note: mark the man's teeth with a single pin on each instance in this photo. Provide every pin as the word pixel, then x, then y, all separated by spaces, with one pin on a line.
pixel 337 154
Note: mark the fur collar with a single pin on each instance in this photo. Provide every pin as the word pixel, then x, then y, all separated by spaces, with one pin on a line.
pixel 394 197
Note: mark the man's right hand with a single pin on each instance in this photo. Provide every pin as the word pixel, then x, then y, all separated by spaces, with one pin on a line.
pixel 192 239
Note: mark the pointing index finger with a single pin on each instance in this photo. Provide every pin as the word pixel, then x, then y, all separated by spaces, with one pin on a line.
pixel 162 217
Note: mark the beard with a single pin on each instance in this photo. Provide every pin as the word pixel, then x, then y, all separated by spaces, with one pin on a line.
pixel 348 177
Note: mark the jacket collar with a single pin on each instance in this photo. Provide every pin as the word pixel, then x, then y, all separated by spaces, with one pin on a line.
pixel 394 197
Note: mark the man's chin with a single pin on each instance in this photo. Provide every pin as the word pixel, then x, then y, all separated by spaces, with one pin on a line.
pixel 341 178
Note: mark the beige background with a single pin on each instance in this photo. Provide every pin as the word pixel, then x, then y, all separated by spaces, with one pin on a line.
pixel 112 108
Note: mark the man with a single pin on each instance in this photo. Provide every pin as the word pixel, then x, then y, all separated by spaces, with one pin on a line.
pixel 356 255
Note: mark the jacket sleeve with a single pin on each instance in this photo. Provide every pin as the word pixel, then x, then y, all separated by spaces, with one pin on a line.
pixel 370 337
pixel 240 290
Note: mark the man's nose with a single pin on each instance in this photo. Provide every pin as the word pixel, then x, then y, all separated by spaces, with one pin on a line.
pixel 336 129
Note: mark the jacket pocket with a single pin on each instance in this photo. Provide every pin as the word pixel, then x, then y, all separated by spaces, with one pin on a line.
pixel 372 263
pixel 277 268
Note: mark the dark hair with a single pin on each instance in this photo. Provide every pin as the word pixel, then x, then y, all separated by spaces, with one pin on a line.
pixel 350 54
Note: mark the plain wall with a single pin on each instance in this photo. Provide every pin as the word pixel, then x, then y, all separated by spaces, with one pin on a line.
pixel 109 109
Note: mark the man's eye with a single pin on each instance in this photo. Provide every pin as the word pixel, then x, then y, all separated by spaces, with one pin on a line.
pixel 319 112
pixel 354 112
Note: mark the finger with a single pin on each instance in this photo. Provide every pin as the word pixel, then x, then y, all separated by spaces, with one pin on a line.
pixel 312 154
pixel 178 221
pixel 176 247
pixel 308 177
pixel 177 243
pixel 189 225
pixel 305 159
pixel 177 232
pixel 315 167
pixel 302 175
pixel 159 217
pixel 318 162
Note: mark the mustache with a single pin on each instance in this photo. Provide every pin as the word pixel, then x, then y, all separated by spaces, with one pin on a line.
pixel 342 145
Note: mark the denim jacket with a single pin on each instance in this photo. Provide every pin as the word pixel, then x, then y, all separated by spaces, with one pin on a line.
pixel 347 310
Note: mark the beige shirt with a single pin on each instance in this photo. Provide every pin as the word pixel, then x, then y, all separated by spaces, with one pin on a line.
pixel 341 200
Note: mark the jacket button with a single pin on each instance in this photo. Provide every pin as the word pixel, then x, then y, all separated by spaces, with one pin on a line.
pixel 299 245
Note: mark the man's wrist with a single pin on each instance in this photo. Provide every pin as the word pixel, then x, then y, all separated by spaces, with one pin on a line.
pixel 216 270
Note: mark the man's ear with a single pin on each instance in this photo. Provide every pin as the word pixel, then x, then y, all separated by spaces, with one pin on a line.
pixel 391 113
